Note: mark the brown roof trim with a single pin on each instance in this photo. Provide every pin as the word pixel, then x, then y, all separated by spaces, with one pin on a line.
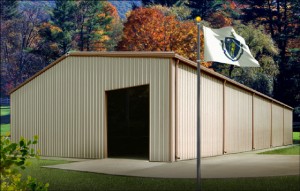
pixel 147 54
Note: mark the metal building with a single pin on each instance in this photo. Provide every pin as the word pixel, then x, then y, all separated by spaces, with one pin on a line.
pixel 142 104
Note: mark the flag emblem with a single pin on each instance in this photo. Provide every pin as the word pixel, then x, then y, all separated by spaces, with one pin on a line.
pixel 233 49
pixel 224 45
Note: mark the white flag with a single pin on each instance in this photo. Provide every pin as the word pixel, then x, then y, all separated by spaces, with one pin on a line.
pixel 225 46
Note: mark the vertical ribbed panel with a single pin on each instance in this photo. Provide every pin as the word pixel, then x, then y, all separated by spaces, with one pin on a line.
pixel 288 126
pixel 277 125
pixel 211 116
pixel 187 111
pixel 65 106
pixel 173 108
pixel 238 120
pixel 262 123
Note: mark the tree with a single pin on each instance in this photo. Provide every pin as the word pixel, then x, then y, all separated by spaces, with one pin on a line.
pixel 204 8
pixel 19 37
pixel 9 9
pixel 179 10
pixel 114 28
pixel 280 18
pixel 219 20
pixel 64 15
pixel 263 49
pixel 149 29
pixel 91 23
pixel 167 3
pixel 57 34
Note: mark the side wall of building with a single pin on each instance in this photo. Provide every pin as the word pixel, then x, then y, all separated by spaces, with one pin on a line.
pixel 233 119
pixel 238 120
pixel 262 122
pixel 211 118
pixel 65 106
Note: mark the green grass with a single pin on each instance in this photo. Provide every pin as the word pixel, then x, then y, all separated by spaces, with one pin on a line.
pixel 73 180
pixel 296 136
pixel 5 110
pixel 5 128
pixel 294 150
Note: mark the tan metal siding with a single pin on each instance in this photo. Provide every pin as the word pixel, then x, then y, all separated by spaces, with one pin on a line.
pixel 262 123
pixel 277 125
pixel 211 110
pixel 172 109
pixel 187 111
pixel 288 126
pixel 238 120
pixel 65 105
pixel 211 116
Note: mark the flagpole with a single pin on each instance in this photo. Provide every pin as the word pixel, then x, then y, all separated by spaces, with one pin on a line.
pixel 198 19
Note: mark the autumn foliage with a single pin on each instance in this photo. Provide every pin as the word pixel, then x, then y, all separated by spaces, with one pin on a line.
pixel 148 29
pixel 219 20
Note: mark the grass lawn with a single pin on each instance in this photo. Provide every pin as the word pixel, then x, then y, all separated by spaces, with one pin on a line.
pixel 294 150
pixel 5 110
pixel 4 129
pixel 296 136
pixel 72 180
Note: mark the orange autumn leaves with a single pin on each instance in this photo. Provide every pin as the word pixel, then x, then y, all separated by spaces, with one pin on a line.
pixel 148 29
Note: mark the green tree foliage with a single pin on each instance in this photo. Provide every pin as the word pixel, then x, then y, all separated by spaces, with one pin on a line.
pixel 57 34
pixel 280 18
pixel 90 22
pixel 263 49
pixel 179 10
pixel 63 16
pixel 15 155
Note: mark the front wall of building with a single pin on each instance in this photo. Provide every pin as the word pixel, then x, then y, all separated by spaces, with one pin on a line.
pixel 65 106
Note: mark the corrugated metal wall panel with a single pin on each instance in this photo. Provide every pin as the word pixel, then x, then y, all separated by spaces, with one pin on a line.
pixel 211 118
pixel 288 126
pixel 262 123
pixel 238 120
pixel 277 125
pixel 65 106
pixel 187 109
